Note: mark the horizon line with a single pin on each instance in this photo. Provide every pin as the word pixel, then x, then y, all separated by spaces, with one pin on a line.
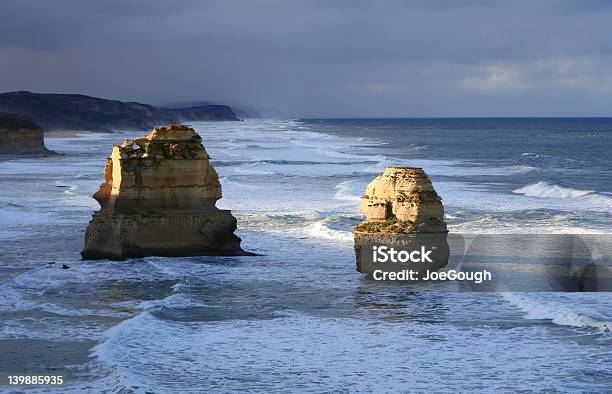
pixel 449 117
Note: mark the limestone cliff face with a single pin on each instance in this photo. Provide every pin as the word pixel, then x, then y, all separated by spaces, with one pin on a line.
pixel 158 198
pixel 21 136
pixel 404 211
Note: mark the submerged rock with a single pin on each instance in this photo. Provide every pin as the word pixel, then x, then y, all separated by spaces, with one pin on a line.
pixel 404 212
pixel 19 135
pixel 158 199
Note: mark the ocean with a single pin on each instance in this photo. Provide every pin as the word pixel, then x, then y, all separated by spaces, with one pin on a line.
pixel 298 317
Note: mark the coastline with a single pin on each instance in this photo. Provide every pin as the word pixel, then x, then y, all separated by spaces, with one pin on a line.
pixel 302 283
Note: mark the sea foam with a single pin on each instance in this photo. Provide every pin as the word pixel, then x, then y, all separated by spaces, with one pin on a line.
pixel 545 189
pixel 343 192
pixel 557 313
pixel 321 231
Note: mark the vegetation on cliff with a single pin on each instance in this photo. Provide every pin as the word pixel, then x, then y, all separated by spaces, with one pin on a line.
pixel 388 226
pixel 17 121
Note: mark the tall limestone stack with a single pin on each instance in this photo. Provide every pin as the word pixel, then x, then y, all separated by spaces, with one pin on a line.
pixel 158 199
pixel 403 211
pixel 19 135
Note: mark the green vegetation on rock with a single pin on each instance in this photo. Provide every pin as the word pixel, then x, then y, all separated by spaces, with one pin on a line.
pixel 389 226
pixel 16 122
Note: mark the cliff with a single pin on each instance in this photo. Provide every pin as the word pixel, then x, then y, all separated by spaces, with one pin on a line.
pixel 80 112
pixel 158 199
pixel 241 111
pixel 403 211
pixel 19 135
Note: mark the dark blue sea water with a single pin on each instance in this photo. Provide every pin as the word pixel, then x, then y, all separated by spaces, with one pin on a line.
pixel 570 152
pixel 298 318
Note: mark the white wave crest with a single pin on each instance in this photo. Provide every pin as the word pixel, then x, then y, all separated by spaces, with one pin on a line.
pixel 250 169
pixel 320 230
pixel 558 314
pixel 545 189
pixel 343 192
pixel 381 164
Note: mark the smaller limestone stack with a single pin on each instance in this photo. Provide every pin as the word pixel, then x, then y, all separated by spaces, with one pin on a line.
pixel 404 211
pixel 19 135
pixel 405 196
pixel 158 199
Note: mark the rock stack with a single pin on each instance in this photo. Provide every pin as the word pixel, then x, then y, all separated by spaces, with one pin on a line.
pixel 158 199
pixel 20 135
pixel 404 211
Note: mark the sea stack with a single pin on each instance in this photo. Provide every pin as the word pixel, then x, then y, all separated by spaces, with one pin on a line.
pixel 404 212
pixel 158 199
pixel 19 135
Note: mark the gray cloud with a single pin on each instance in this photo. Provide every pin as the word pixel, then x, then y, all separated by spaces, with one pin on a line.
pixel 319 58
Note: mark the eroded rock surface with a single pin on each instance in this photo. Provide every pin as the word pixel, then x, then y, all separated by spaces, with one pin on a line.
pixel 158 199
pixel 19 135
pixel 404 198
pixel 404 211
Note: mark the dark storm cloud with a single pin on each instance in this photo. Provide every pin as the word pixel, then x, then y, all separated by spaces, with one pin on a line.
pixel 319 58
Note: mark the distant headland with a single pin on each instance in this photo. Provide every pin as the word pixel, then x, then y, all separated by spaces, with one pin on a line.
pixel 86 113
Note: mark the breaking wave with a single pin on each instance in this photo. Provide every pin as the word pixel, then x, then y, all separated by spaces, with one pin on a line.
pixel 343 192
pixel 557 313
pixel 320 230
pixel 545 189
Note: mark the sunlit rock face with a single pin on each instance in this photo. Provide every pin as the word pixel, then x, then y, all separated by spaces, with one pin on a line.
pixel 402 210
pixel 406 196
pixel 19 135
pixel 158 199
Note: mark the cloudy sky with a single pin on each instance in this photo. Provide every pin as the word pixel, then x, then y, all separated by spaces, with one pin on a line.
pixel 319 58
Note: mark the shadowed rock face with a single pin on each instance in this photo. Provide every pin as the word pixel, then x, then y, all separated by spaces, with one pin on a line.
pixel 403 211
pixel 19 135
pixel 158 198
